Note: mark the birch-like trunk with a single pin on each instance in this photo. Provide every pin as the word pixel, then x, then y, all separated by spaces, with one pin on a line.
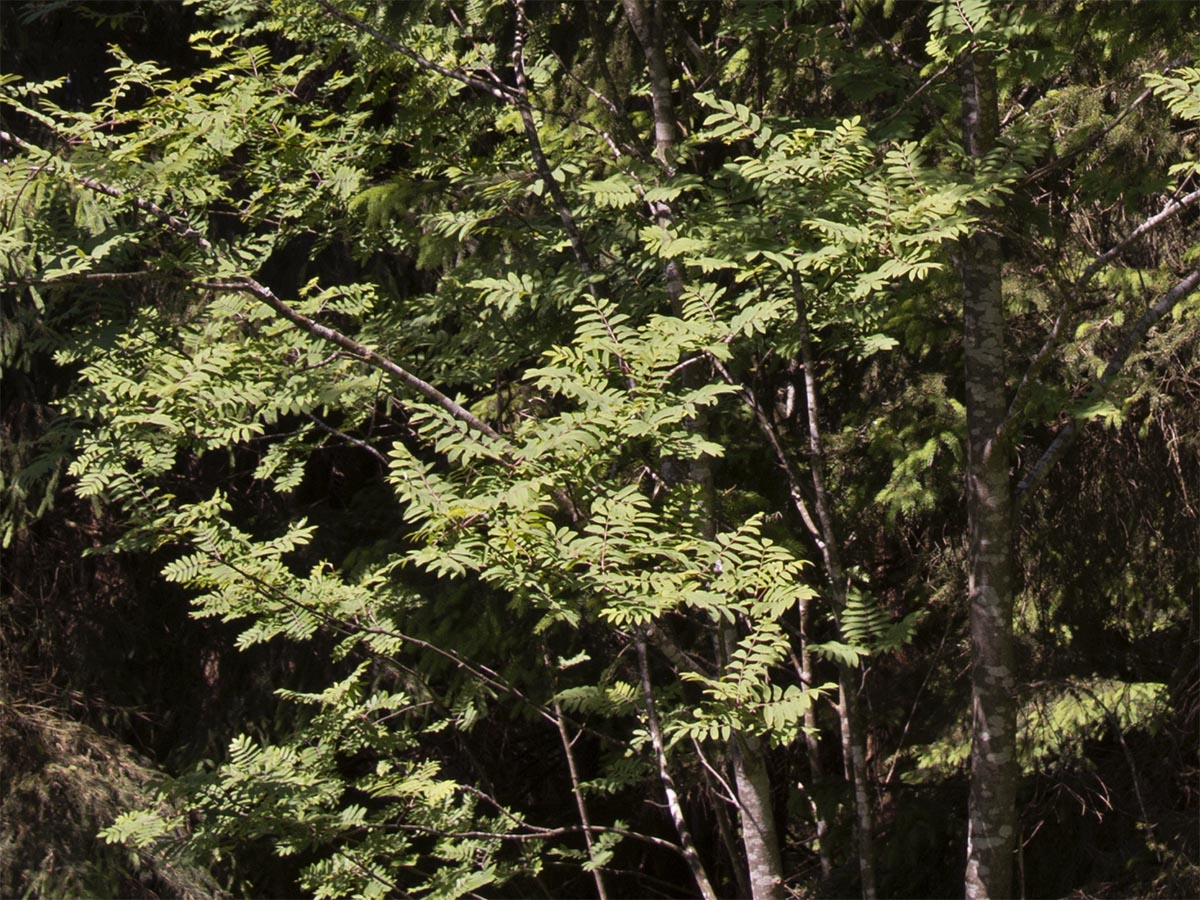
pixel 816 773
pixel 760 839
pixel 992 812
pixel 854 752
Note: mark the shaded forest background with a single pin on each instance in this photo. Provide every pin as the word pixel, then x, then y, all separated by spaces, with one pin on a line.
pixel 111 682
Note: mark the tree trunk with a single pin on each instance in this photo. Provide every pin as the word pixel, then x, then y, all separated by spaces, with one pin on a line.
pixel 760 840
pixel 674 807
pixel 816 774
pixel 992 812
pixel 853 750
pixel 759 835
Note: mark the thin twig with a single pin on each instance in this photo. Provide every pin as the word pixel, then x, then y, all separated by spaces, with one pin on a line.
pixel 573 771
pixel 767 427
pixel 362 445
pixel 500 92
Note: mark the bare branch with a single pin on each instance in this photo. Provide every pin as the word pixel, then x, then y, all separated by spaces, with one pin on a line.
pixel 92 278
pixel 521 101
pixel 767 427
pixel 501 92
pixel 1063 321
pixel 362 445
pixel 1173 208
pixel 534 833
pixel 1133 337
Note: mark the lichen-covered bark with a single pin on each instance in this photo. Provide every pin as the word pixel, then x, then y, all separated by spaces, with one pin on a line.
pixel 992 816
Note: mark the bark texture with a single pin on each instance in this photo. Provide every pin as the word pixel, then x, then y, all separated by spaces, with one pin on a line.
pixel 759 835
pixel 991 835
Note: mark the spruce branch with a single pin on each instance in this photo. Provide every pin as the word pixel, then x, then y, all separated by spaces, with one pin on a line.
pixel 1134 336
pixel 1062 322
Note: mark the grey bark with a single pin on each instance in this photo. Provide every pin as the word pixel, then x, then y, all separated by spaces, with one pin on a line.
pixel 992 815
pixel 686 844
pixel 759 835
pixel 853 747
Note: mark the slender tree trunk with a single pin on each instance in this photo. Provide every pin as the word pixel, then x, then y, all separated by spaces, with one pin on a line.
pixel 753 785
pixel 647 26
pixel 992 812
pixel 760 839
pixel 853 748
pixel 686 844
pixel 812 746
pixel 576 789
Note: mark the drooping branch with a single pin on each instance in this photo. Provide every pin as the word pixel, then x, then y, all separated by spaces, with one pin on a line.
pixel 174 223
pixel 481 672
pixel 179 227
pixel 251 286
pixel 1136 334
